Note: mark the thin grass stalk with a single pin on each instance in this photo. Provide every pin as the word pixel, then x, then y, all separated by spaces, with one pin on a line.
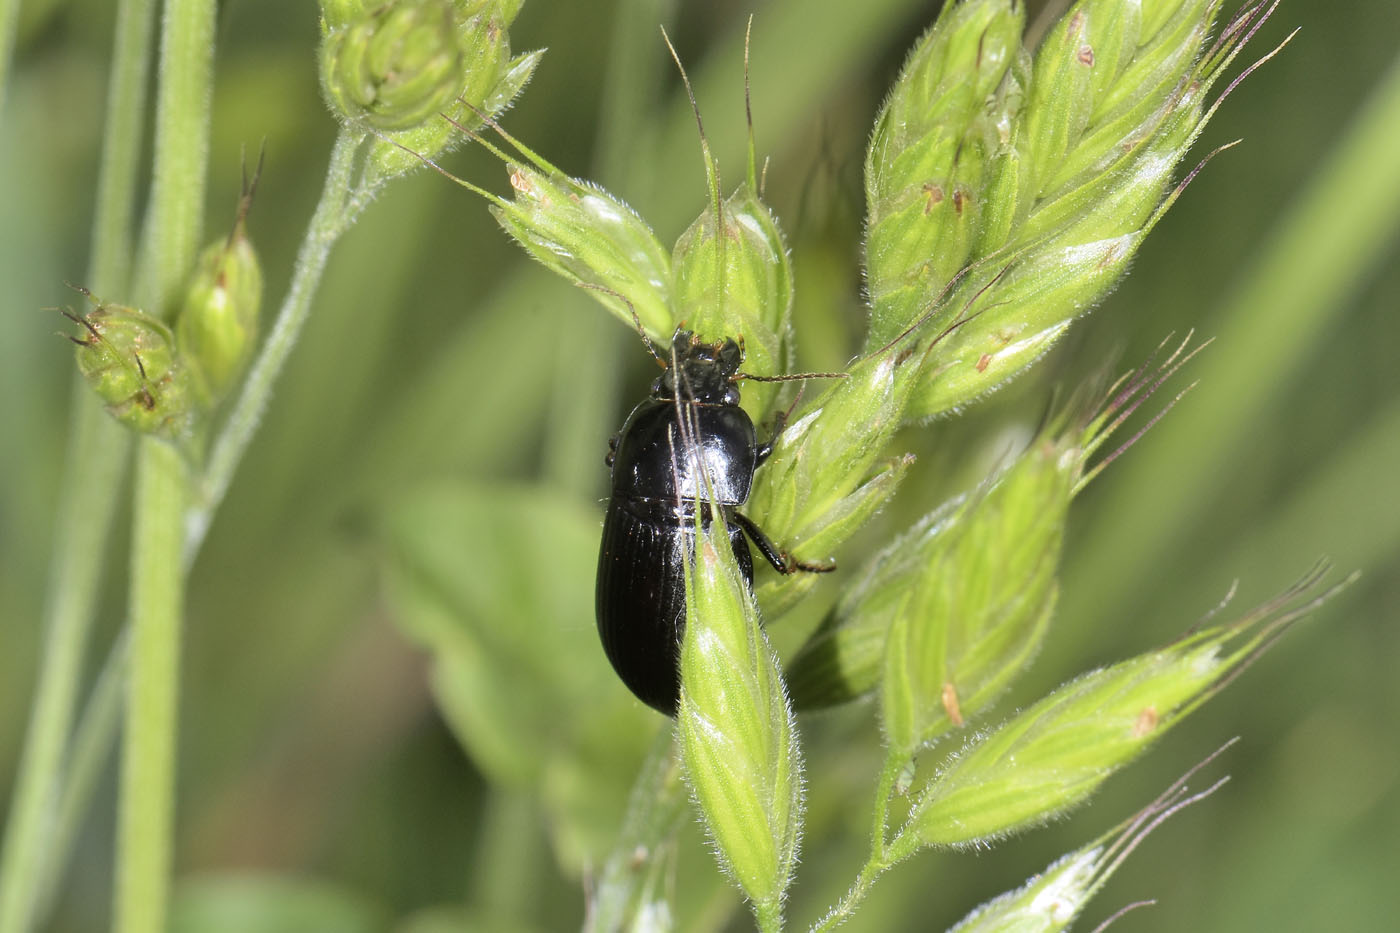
pixel 83 768
pixel 94 467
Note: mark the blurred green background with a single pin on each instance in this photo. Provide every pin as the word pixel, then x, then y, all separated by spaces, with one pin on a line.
pixel 440 364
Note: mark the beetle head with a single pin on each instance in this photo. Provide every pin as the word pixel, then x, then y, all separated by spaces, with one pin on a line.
pixel 701 372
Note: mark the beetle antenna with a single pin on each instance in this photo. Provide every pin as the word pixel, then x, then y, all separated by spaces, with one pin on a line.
pixel 789 377
pixel 636 321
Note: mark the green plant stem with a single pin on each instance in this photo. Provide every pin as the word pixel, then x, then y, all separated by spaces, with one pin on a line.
pixel 94 466
pixel 9 21
pixel 92 479
pixel 88 753
pixel 770 916
pixel 146 809
pixel 880 845
pixel 181 154
pixel 97 728
pixel 884 789
pixel 334 213
pixel 36 868
pixel 1304 277
pixel 145 820
pixel 844 908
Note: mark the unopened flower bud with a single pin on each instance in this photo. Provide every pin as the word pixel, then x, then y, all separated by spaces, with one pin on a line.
pixel 483 82
pixel 395 66
pixel 128 357
pixel 218 323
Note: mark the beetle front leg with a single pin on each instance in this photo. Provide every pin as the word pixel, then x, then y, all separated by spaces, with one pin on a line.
pixel 782 561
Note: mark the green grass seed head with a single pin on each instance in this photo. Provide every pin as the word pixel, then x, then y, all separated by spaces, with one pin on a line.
pixel 738 740
pixel 731 278
pixel 1053 755
pixel 1062 166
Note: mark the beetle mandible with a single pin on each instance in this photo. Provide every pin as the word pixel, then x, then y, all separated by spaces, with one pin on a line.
pixel 689 432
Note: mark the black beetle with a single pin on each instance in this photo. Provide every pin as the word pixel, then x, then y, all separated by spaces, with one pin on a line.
pixel 689 428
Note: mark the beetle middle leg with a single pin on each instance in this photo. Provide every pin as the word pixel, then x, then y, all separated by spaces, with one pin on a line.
pixel 782 561
pixel 780 421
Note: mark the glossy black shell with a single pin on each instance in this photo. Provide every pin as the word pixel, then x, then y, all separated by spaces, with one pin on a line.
pixel 658 483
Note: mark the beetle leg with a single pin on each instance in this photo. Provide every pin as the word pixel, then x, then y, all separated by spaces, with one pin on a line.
pixel 782 561
pixel 779 422
pixel 765 450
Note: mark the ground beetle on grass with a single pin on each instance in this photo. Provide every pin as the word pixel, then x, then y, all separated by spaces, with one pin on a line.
pixel 689 432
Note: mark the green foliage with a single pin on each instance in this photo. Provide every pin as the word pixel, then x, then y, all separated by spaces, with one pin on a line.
pixel 1056 167
pixel 1053 899
pixel 934 143
pixel 543 722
